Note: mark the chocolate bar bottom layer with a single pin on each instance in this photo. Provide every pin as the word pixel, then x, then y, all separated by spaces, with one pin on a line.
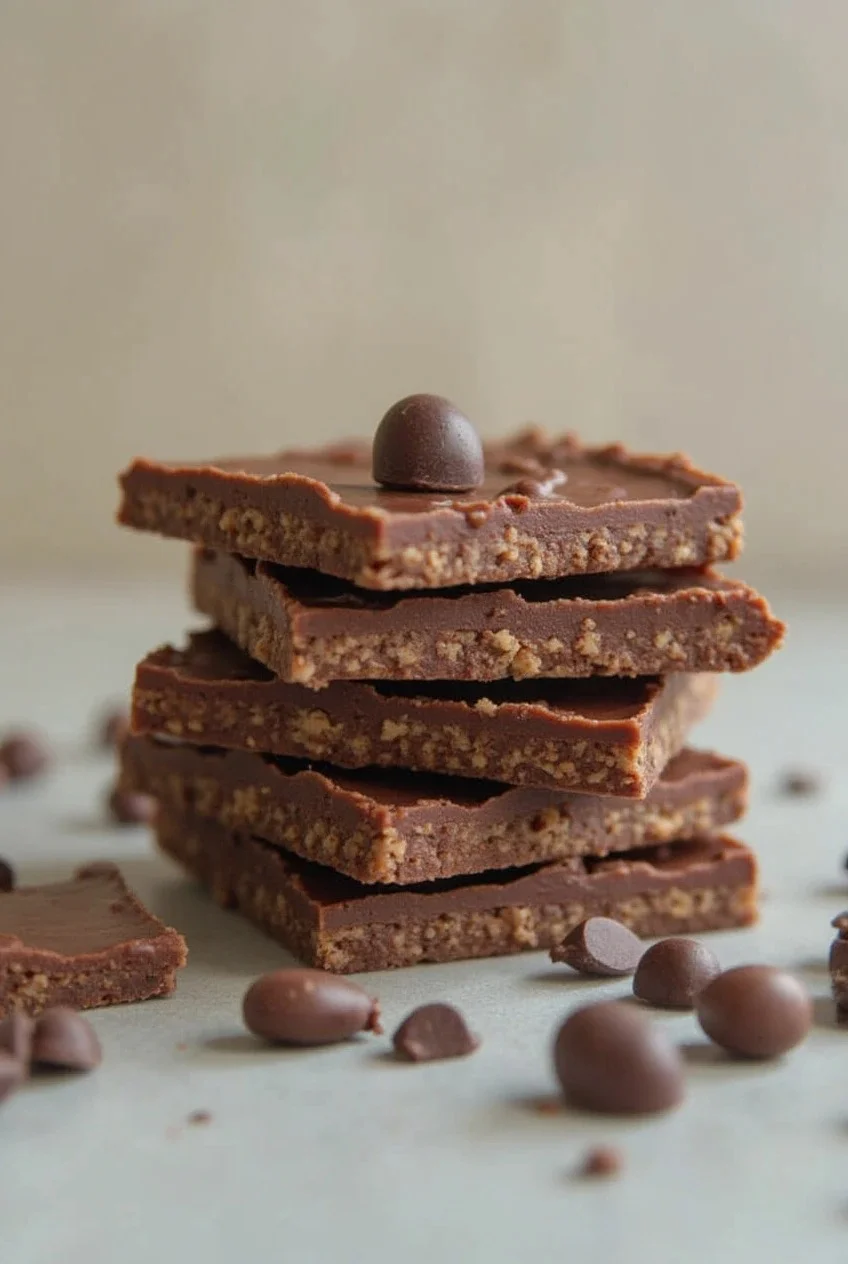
pixel 409 827
pixel 84 943
pixel 329 921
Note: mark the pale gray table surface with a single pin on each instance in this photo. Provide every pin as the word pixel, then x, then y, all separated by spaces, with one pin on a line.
pixel 341 1155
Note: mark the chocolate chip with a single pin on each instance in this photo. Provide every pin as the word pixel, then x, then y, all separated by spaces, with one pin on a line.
pixel 602 1161
pixel 673 972
pixel 800 782
pixel 65 1040
pixel 424 443
pixel 16 1037
pixel 755 1011
pixel 12 1075
pixel 600 946
pixel 610 1058
pixel 114 726
pixel 24 755
pixel 308 1007
pixel 7 876
pixel 432 1032
pixel 129 807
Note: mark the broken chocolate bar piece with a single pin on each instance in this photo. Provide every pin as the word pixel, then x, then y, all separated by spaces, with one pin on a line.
pixel 83 943
pixel 596 736
pixel 311 629
pixel 547 507
pixel 404 827
pixel 328 920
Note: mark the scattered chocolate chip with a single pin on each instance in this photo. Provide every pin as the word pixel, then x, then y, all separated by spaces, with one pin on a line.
pixel 432 1032
pixel 308 1007
pixel 600 946
pixel 24 755
pixel 610 1058
pixel 65 1040
pixel 16 1037
pixel 12 1075
pixel 800 782
pixel 114 726
pixel 200 1117
pixel 424 443
pixel 548 483
pixel 602 1161
pixel 755 1011
pixel 7 876
pixel 673 972
pixel 129 807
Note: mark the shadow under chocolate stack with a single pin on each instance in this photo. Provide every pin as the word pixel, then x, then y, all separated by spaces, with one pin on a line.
pixel 443 709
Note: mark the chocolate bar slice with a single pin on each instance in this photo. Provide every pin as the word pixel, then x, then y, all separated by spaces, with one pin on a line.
pixel 311 629
pixel 330 921
pixel 612 511
pixel 412 827
pixel 596 736
pixel 83 943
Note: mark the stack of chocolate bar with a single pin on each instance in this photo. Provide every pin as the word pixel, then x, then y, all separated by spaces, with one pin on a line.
pixel 443 709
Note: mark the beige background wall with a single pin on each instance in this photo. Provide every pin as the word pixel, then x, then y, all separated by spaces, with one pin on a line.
pixel 233 225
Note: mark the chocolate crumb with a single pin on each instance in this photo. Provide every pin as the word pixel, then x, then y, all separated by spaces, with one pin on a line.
pixel 800 782
pixel 200 1117
pixel 603 1161
pixel 548 1106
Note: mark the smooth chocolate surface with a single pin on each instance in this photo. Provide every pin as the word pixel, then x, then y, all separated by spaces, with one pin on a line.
pixel 330 921
pixel 311 628
pixel 594 736
pixel 612 511
pixel 83 943
pixel 401 827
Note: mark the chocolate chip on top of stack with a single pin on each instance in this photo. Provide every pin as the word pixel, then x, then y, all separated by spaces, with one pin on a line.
pixel 443 709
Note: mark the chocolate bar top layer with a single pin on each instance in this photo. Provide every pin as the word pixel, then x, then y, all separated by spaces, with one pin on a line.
pixel 312 628
pixel 614 510
pixel 594 736
pixel 408 827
